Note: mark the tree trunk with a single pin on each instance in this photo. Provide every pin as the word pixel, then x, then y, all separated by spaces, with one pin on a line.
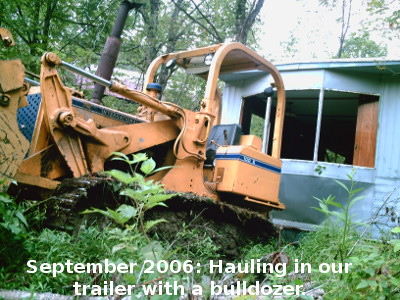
pixel 346 14
pixel 245 22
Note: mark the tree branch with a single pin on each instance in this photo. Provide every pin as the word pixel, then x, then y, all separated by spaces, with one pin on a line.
pixel 208 21
pixel 345 26
pixel 214 34
pixel 248 21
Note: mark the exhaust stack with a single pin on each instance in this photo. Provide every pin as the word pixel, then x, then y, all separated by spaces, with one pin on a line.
pixel 111 49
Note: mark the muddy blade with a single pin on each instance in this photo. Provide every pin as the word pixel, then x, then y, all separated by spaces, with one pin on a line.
pixel 13 145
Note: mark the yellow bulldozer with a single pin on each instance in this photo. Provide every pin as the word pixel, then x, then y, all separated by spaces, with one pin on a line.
pixel 58 135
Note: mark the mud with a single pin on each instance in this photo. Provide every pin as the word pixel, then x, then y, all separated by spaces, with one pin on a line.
pixel 228 226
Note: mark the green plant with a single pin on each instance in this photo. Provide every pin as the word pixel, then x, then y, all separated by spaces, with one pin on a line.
pixel 333 157
pixel 13 229
pixel 11 215
pixel 343 214
pixel 196 243
pixel 144 194
pixel 373 274
pixel 319 169
pixel 396 242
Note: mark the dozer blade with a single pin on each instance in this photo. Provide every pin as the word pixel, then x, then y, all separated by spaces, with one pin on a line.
pixel 13 145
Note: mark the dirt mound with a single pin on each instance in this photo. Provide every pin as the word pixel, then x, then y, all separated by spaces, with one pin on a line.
pixel 228 226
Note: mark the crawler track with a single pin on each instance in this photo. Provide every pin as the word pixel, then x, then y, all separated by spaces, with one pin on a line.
pixel 230 227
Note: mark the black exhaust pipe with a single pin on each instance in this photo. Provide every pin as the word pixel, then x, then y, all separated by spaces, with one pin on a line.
pixel 111 49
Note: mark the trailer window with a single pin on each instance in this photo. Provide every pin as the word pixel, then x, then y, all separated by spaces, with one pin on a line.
pixel 342 131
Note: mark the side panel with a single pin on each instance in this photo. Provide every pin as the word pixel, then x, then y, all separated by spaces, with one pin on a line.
pixel 301 181
pixel 248 172
pixel 362 83
pixel 388 146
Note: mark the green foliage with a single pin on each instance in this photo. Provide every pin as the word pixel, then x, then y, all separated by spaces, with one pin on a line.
pixel 257 125
pixel 185 90
pixel 12 217
pixel 73 29
pixel 361 46
pixel 123 105
pixel 196 243
pixel 384 20
pixel 122 215
pixel 13 228
pixel 333 157
pixel 319 169
pixel 388 11
pixel 396 242
pixel 373 274
pixel 144 194
pixel 92 244
pixel 77 30
pixel 343 214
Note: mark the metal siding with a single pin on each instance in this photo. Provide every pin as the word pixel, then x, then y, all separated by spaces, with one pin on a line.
pixel 388 144
pixel 352 82
pixel 234 91
pixel 231 103
pixel 300 183
pixel 386 203
pixel 256 85
pixel 303 80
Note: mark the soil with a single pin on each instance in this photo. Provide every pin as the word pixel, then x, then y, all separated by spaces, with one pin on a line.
pixel 229 227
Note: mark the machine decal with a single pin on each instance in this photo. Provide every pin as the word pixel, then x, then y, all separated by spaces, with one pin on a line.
pixel 103 111
pixel 248 160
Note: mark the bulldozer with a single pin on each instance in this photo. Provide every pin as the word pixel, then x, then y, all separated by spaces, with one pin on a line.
pixel 60 135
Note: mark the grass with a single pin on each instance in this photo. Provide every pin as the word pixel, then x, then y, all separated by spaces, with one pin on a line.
pixel 374 272
pixel 92 244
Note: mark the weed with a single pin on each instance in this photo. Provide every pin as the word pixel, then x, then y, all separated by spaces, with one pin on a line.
pixel 144 194
pixel 396 242
pixel 13 229
pixel 11 215
pixel 343 215
pixel 196 243
pixel 374 271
